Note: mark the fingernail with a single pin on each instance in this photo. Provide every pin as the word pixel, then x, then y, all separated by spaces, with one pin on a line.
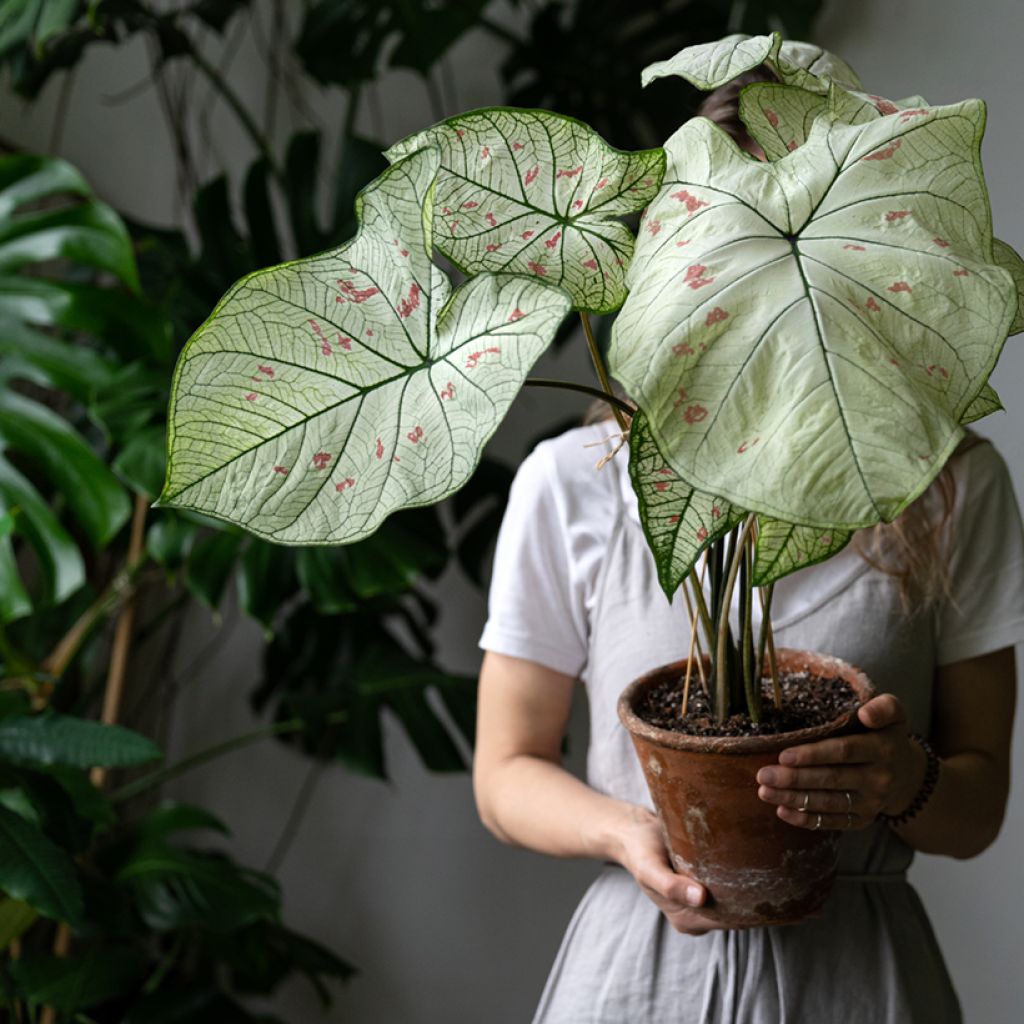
pixel 694 895
pixel 787 757
pixel 766 777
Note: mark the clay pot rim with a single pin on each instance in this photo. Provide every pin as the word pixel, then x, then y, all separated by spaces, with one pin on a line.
pixel 822 664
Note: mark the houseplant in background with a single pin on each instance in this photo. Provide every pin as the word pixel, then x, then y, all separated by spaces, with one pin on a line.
pixel 346 386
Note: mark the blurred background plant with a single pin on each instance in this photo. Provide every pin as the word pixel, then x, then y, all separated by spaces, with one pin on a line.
pixel 108 914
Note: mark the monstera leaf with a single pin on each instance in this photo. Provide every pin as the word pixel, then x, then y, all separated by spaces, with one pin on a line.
pixel 805 336
pixel 322 395
pixel 711 65
pixel 537 193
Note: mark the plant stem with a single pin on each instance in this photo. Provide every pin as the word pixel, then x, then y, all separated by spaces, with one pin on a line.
pixel 614 401
pixel 751 673
pixel 768 640
pixel 694 638
pixel 171 771
pixel 721 656
pixel 602 373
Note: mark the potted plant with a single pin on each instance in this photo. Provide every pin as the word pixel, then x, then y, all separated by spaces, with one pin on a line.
pixel 322 395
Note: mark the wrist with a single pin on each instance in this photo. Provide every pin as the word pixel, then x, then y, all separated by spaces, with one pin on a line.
pixel 623 831
pixel 921 782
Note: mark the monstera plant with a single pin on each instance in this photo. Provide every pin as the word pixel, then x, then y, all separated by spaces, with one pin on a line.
pixel 802 338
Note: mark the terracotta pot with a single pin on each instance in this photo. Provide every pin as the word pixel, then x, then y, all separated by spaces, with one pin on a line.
pixel 758 870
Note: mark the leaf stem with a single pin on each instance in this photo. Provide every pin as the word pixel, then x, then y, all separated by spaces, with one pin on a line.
pixel 602 373
pixel 619 404
pixel 171 771
pixel 721 656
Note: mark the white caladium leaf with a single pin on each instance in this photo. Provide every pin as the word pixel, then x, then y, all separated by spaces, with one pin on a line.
pixel 829 317
pixel 539 194
pixel 782 548
pixel 1007 258
pixel 985 404
pixel 711 65
pixel 324 394
pixel 678 521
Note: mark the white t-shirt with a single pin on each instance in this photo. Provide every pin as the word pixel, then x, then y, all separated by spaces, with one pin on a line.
pixel 560 516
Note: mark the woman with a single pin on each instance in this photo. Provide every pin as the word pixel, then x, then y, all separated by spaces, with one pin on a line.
pixel 930 608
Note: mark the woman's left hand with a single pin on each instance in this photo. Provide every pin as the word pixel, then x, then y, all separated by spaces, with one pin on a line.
pixel 844 782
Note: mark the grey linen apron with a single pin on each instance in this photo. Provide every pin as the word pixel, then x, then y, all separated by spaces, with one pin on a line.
pixel 871 959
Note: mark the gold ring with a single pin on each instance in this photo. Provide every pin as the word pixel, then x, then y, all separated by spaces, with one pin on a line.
pixel 807 800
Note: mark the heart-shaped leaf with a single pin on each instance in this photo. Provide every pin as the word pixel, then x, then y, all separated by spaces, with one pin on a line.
pixel 537 193
pixel 830 316
pixel 782 548
pixel 678 521
pixel 711 65
pixel 323 394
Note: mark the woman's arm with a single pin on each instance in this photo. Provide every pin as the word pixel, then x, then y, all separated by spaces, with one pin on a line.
pixel 526 798
pixel 882 770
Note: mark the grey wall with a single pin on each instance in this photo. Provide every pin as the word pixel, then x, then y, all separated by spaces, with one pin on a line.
pixel 447 925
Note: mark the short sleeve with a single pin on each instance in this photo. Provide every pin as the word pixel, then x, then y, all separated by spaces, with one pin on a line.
pixel 547 557
pixel 985 610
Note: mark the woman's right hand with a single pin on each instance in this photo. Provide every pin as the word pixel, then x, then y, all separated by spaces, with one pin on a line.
pixel 677 896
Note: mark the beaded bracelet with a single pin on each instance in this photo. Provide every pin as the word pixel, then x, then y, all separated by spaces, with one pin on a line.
pixel 931 778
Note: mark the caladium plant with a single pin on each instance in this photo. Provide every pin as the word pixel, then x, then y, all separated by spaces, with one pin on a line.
pixel 802 337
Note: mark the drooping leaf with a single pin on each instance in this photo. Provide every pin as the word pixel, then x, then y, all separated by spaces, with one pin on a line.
pixel 52 738
pixel 25 178
pixel 536 193
pixel 324 394
pixel 830 316
pixel 79 980
pixel 50 362
pixel 710 65
pixel 37 871
pixel 782 548
pixel 678 521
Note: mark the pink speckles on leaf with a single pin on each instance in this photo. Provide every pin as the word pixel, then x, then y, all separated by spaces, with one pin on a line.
pixel 491 219
pixel 693 204
pixel 682 242
pixel 682 349
pixel 569 173
pixel 553 240
pixel 453 226
pixel 855 248
pixel 885 154
pixel 664 471
pixel 884 106
pixel 345 484
pixel 894 215
pixel 654 226
pixel 379 452
pixel 474 357
pixel 447 392
pixel 345 343
pixel 485 153
pixel 773 118
pixel 321 338
pixel 354 294
pixel 517 146
pixel 415 435
pixel 410 304
pixel 940 370
pixel 536 268
pixel 516 314
pixel 577 204
pixel 695 276
pixel 716 512
pixel 470 205
pixel 825 540
pixel 251 396
pixel 266 371
pixel 601 184
pixel 899 286
pixel 281 470
pixel 872 305
pixel 791 145
pixel 746 446
pixel 320 460
pixel 907 115
pixel 662 486
pixel 460 132
pixel 961 273
pixel 494 246
pixel 702 534
pixel 716 316
pixel 672 520
pixel 941 243
pixel 695 413
pixel 527 235
pixel 682 394
pixel 590 264
pixel 531 175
